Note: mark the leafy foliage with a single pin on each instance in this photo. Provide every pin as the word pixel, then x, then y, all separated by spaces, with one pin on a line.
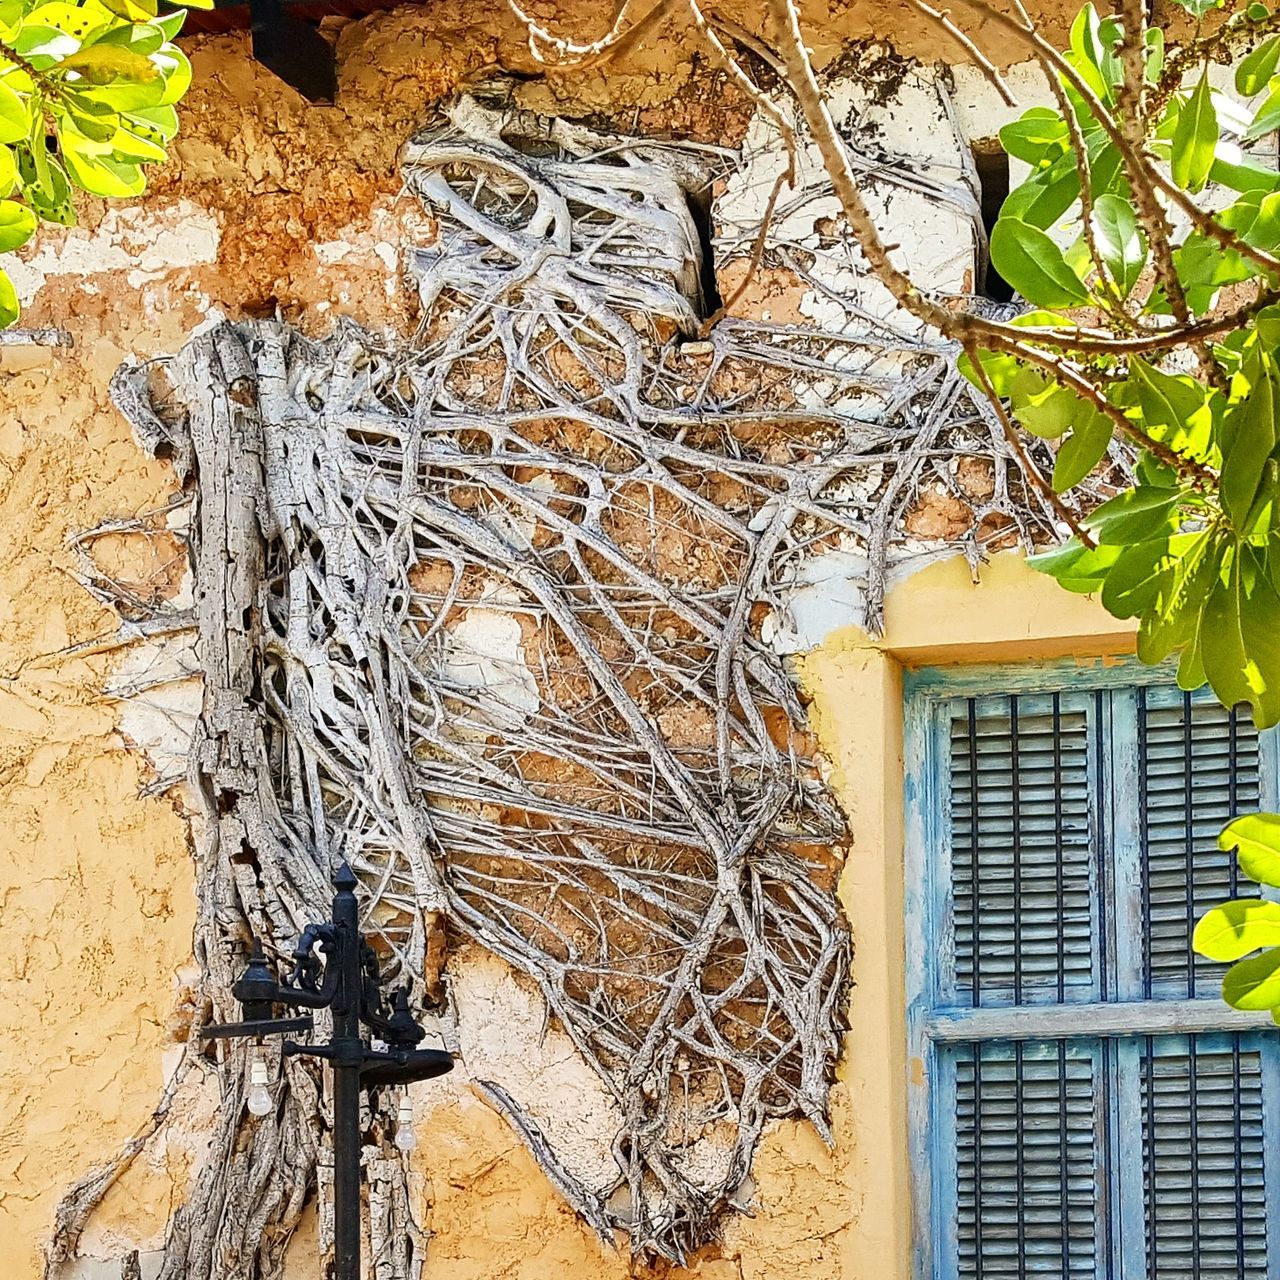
pixel 87 101
pixel 1237 929
pixel 1135 334
pixel 1161 321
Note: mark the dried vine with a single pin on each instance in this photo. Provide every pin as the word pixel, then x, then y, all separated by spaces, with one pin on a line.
pixel 491 614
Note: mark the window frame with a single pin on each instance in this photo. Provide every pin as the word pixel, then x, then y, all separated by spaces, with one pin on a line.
pixel 930 1025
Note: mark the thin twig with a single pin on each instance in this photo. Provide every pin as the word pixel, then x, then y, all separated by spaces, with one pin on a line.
pixel 942 18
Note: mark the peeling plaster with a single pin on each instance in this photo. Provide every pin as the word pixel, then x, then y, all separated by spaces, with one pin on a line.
pixel 137 243
pixel 504 1033
pixel 484 655
pixel 268 199
pixel 911 134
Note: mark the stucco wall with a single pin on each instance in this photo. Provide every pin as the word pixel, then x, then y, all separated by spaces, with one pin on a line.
pixel 272 203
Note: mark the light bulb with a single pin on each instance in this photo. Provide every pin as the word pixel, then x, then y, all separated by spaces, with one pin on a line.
pixel 259 1100
pixel 406 1139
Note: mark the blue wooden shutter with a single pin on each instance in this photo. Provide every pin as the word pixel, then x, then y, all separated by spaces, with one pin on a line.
pixel 1204 1159
pixel 1071 848
pixel 1028 1168
pixel 1023 863
pixel 1198 768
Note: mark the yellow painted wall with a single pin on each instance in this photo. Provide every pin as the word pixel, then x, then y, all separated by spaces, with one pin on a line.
pixel 95 882
pixel 939 616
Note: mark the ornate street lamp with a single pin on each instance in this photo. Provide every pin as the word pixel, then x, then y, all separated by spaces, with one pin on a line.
pixel 335 968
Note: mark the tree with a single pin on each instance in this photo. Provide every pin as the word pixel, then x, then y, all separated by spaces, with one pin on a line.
pixel 1154 319
pixel 87 101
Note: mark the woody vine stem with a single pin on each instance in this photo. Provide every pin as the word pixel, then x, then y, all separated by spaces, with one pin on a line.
pixel 625 808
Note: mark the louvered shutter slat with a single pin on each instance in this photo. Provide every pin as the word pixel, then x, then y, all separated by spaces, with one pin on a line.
pixel 1027 1165
pixel 1021 852
pixel 1198 768
pixel 1204 1165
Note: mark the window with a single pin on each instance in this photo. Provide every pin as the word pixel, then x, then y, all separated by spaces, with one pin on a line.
pixel 1085 1105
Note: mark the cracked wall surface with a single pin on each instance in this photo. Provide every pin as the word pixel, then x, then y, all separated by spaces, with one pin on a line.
pixel 270 203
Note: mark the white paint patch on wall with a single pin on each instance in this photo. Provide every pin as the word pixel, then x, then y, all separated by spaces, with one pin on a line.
pixel 381 243
pixel 483 654
pixel 827 594
pixel 916 176
pixel 142 244
pixel 981 112
pixel 504 1035
pixel 160 690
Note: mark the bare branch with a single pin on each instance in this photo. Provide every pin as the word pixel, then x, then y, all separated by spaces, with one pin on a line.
pixel 942 18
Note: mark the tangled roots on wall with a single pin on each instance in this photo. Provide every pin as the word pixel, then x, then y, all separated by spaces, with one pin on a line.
pixel 488 613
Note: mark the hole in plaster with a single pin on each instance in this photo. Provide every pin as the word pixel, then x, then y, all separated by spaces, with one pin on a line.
pixel 992 165
pixel 700 209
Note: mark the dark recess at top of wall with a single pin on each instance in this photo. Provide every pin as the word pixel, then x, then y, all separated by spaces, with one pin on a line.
pixel 231 15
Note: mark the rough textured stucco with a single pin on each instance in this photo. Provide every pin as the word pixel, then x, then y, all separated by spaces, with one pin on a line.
pixel 97 898
pixel 272 203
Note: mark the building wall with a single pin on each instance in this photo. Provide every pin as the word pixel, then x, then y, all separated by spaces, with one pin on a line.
pixel 270 203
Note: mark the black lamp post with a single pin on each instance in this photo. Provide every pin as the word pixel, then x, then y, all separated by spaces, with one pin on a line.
pixel 344 976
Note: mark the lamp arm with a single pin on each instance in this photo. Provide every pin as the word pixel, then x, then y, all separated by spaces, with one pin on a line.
pixel 305 988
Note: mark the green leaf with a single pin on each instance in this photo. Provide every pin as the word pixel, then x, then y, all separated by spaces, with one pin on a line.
pixel 1120 241
pixel 1175 408
pixel 1088 54
pixel 176 70
pixel 1195 138
pixel 75 20
pixel 1199 7
pixel 1106 169
pixel 1256 218
pixel 17 225
pixel 44 46
pixel 1045 408
pixel 159 124
pixel 1248 437
pixel 45 186
pixel 1204 268
pixel 1191 665
pixel 9 308
pixel 171 23
pixel 1255 838
pixel 1038 137
pixel 92 119
pixel 128 143
pixel 1267 117
pixel 1045 196
pixel 1239 638
pixel 99 174
pixel 102 64
pixel 1254 983
pixel 1076 567
pixel 1030 261
pixel 1155 54
pixel 8 171
pixel 1236 928
pixel 1170 622
pixel 131 10
pixel 15 115
pixel 141 37
pixel 44 183
pixel 1081 451
pixel 1244 174
pixel 1001 371
pixel 1257 67
pixel 1134 584
pixel 1133 516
